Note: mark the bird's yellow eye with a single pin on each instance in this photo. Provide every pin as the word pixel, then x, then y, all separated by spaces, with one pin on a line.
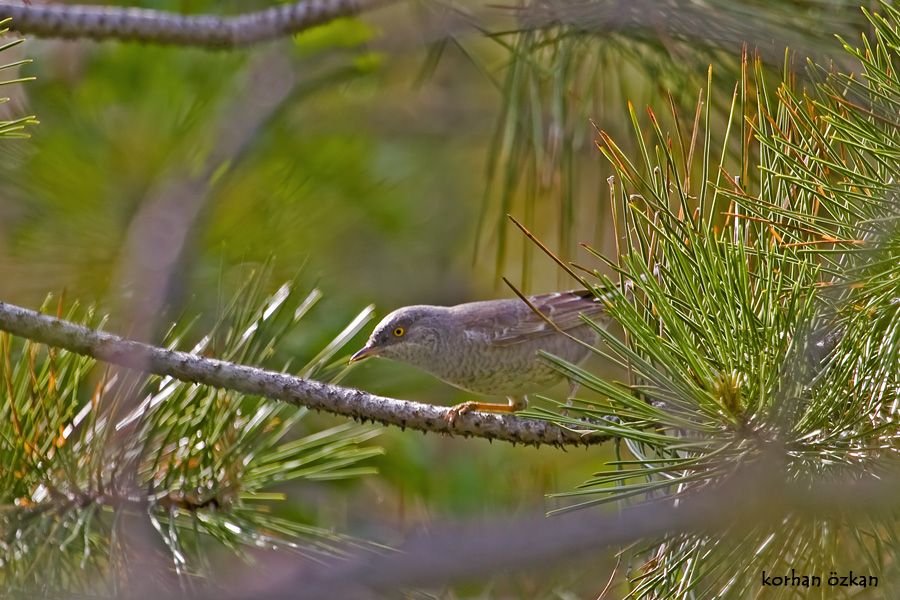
pixel 399 331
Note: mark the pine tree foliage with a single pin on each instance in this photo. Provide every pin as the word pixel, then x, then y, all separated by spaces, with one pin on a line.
pixel 87 448
pixel 12 128
pixel 760 298
pixel 566 63
pixel 761 305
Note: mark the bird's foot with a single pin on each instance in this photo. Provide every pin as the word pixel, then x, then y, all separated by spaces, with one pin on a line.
pixel 463 408
pixel 460 409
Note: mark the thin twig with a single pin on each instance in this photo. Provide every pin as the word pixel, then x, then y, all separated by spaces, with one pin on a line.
pixel 338 400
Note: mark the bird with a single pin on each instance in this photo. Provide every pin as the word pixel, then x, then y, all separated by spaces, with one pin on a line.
pixel 491 347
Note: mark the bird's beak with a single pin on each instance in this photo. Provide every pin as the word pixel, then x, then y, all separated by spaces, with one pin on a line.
pixel 364 352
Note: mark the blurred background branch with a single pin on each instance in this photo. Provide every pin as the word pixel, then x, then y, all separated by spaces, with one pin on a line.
pixel 460 552
pixel 74 21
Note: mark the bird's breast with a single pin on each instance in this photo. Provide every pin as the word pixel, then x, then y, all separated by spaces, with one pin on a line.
pixel 470 361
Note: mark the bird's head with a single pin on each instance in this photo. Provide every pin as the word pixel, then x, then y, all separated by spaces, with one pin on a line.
pixel 407 334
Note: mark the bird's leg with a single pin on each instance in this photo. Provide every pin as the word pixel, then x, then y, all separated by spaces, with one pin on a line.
pixel 514 404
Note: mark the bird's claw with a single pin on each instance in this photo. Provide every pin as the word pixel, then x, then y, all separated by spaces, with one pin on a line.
pixel 458 410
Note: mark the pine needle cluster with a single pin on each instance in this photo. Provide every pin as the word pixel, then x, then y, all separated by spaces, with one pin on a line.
pixel 95 457
pixel 760 299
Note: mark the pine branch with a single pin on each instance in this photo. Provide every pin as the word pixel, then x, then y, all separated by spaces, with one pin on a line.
pixel 279 386
pixel 160 27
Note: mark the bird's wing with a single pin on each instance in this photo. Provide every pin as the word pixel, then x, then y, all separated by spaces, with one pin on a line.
pixel 514 322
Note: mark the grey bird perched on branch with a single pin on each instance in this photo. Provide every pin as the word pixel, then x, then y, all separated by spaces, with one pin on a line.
pixel 490 347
